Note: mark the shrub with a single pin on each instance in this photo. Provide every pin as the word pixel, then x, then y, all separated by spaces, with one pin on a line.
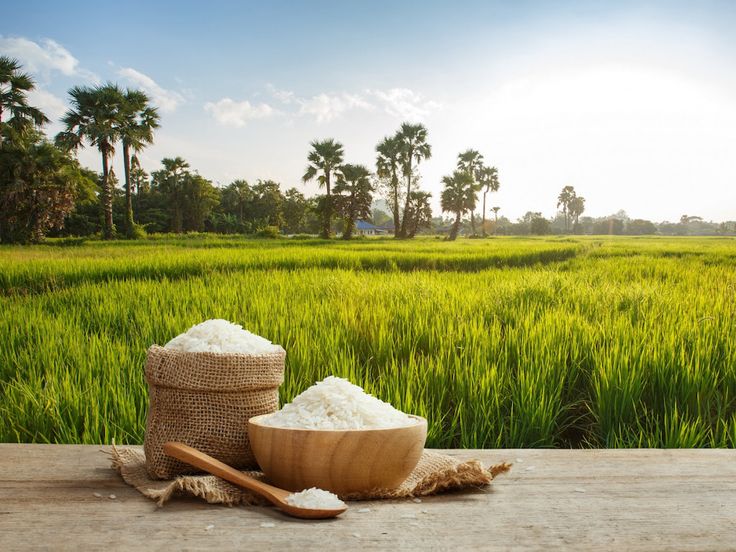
pixel 269 232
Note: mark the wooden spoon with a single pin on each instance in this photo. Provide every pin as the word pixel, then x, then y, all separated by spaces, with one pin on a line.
pixel 274 495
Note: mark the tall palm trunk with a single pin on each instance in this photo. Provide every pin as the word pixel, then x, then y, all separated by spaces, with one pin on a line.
pixel 484 213
pixel 129 232
pixel 455 227
pixel 413 229
pixel 347 232
pixel 395 185
pixel 108 229
pixel 402 234
pixel 327 222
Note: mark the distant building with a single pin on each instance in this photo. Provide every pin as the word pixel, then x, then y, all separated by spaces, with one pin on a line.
pixel 364 228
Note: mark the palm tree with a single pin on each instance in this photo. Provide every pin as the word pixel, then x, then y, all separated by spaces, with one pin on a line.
pixel 457 197
pixel 325 158
pixel 488 179
pixel 576 208
pixel 235 199
pixel 495 215
pixel 471 162
pixel 170 181
pixel 13 88
pixel 563 200
pixel 355 182
pixel 387 167
pixel 135 126
pixel 94 118
pixel 414 148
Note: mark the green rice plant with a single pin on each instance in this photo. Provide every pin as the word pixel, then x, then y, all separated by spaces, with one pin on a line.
pixel 507 342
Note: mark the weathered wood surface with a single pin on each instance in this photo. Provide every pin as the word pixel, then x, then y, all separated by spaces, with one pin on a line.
pixel 582 499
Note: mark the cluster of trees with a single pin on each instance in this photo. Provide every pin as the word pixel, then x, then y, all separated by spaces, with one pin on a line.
pixel 103 116
pixel 177 199
pixel 616 224
pixel 461 188
pixel 572 205
pixel 45 190
pixel 349 188
pixel 397 168
pixel 39 183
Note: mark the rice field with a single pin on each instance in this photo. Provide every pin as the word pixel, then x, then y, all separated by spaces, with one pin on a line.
pixel 508 342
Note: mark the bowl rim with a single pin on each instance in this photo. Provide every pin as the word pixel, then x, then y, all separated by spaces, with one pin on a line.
pixel 255 420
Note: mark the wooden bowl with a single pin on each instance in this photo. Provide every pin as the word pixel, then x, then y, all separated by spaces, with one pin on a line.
pixel 342 461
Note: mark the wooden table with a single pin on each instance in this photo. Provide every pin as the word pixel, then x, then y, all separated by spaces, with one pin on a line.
pixel 568 499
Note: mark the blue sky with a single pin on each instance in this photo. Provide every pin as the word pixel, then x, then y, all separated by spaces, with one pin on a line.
pixel 634 104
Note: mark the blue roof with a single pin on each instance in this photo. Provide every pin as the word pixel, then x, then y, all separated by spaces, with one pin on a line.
pixel 363 225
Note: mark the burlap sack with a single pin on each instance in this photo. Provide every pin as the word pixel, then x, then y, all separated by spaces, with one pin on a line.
pixel 434 474
pixel 205 400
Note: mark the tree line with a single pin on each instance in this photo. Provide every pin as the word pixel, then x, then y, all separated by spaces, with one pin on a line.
pixel 44 190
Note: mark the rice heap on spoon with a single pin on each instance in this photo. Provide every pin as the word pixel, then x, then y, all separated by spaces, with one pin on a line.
pixel 221 336
pixel 315 499
pixel 335 403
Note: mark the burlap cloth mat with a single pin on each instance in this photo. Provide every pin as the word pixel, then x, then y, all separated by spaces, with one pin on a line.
pixel 434 474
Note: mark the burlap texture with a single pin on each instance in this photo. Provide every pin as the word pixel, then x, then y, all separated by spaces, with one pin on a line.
pixel 434 474
pixel 205 400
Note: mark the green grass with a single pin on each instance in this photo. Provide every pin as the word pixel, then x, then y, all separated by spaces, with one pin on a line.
pixel 506 342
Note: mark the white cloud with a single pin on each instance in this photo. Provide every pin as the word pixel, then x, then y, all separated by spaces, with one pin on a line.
pixel 53 106
pixel 229 112
pixel 166 100
pixel 404 103
pixel 44 57
pixel 284 96
pixel 401 103
pixel 326 107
